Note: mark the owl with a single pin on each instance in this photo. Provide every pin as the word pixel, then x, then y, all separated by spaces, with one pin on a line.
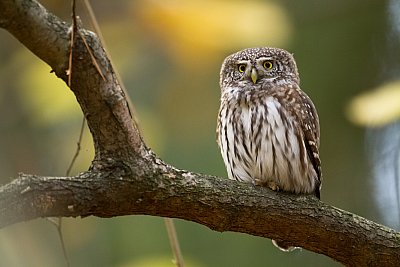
pixel 267 127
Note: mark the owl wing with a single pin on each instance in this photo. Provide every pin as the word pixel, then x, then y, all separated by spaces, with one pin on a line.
pixel 311 132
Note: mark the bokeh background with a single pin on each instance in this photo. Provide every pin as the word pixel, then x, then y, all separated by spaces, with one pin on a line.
pixel 169 54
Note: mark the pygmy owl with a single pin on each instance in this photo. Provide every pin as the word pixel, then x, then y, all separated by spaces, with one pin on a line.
pixel 268 128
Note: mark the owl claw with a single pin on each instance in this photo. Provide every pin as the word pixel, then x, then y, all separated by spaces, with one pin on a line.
pixel 270 184
pixel 273 186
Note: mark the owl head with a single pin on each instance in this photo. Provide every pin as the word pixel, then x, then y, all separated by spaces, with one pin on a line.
pixel 255 68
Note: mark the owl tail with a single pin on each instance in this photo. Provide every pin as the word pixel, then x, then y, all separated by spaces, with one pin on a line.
pixel 283 246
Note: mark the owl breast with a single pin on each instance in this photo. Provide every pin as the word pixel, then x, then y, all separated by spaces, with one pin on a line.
pixel 261 143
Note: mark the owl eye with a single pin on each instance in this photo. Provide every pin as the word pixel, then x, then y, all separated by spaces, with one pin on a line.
pixel 268 65
pixel 242 67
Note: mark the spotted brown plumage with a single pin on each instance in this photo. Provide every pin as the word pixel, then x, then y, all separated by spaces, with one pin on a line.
pixel 268 128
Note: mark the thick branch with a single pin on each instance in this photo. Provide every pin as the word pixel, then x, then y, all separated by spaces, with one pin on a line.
pixel 220 204
pixel 126 178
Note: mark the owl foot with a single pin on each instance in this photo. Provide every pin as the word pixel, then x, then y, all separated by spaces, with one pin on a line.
pixel 270 184
pixel 273 186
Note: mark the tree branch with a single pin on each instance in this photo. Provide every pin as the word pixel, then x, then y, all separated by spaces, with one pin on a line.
pixel 220 204
pixel 127 178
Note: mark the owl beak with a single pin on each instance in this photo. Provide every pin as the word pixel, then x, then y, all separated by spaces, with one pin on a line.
pixel 254 75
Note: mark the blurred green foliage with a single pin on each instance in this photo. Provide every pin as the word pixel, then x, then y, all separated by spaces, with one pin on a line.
pixel 169 55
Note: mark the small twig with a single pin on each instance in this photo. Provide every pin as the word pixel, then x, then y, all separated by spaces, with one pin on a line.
pixel 73 33
pixel 72 42
pixel 57 222
pixel 174 242
pixel 78 148
pixel 96 65
pixel 96 27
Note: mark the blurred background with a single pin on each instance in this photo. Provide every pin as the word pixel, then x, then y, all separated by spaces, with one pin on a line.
pixel 169 54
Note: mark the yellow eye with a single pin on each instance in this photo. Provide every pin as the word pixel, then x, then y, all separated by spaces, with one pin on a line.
pixel 242 67
pixel 268 64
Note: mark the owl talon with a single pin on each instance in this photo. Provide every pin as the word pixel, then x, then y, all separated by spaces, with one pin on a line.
pixel 273 186
pixel 270 184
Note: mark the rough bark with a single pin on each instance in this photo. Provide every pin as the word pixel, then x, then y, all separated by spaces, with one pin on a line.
pixel 127 178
